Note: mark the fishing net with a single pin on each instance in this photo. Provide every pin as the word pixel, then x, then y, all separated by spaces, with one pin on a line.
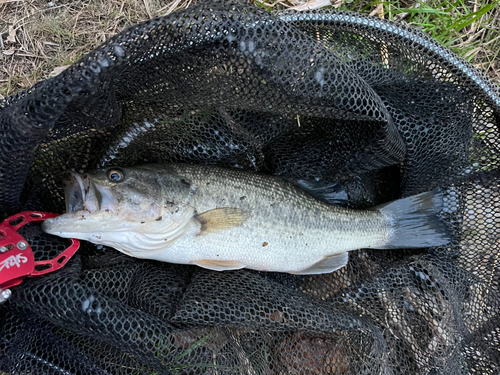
pixel 357 110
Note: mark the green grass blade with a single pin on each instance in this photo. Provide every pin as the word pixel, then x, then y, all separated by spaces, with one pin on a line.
pixel 422 10
pixel 472 17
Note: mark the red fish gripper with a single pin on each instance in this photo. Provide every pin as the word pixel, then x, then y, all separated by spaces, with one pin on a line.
pixel 16 256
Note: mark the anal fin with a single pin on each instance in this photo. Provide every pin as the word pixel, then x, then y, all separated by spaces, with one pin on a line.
pixel 219 265
pixel 326 265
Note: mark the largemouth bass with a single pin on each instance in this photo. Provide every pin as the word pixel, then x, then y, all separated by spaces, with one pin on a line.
pixel 227 219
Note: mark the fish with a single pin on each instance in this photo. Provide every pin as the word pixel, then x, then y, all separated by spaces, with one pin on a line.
pixel 228 219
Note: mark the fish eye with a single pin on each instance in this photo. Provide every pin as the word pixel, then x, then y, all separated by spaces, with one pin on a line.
pixel 116 175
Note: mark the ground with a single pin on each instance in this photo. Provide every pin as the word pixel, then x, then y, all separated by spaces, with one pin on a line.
pixel 40 38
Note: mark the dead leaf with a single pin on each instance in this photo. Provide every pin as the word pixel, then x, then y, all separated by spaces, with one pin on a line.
pixel 58 70
pixel 313 4
pixel 2 97
pixel 9 51
pixel 12 35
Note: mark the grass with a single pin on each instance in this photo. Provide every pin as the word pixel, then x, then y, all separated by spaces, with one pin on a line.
pixel 40 38
pixel 469 29
pixel 47 37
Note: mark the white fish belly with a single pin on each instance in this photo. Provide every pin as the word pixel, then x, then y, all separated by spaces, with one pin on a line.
pixel 266 247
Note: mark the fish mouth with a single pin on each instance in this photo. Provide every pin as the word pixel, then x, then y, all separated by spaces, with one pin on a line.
pixel 84 196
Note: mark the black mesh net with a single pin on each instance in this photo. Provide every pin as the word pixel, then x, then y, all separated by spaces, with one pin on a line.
pixel 356 109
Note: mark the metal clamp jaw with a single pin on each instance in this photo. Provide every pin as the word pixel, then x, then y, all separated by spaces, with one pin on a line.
pixel 16 256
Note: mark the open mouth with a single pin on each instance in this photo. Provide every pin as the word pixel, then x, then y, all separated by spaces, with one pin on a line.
pixel 74 193
pixel 82 194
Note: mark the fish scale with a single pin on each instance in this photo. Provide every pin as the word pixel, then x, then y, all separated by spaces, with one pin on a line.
pixel 287 220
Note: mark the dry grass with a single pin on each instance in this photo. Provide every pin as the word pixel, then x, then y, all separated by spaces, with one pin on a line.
pixel 45 36
pixel 37 37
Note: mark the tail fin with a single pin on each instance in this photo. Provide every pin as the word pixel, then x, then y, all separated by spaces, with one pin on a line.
pixel 415 221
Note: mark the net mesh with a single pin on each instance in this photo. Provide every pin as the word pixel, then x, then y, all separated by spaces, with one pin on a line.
pixel 357 110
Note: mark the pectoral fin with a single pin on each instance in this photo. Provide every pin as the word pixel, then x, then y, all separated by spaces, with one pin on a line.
pixel 219 265
pixel 326 265
pixel 220 219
